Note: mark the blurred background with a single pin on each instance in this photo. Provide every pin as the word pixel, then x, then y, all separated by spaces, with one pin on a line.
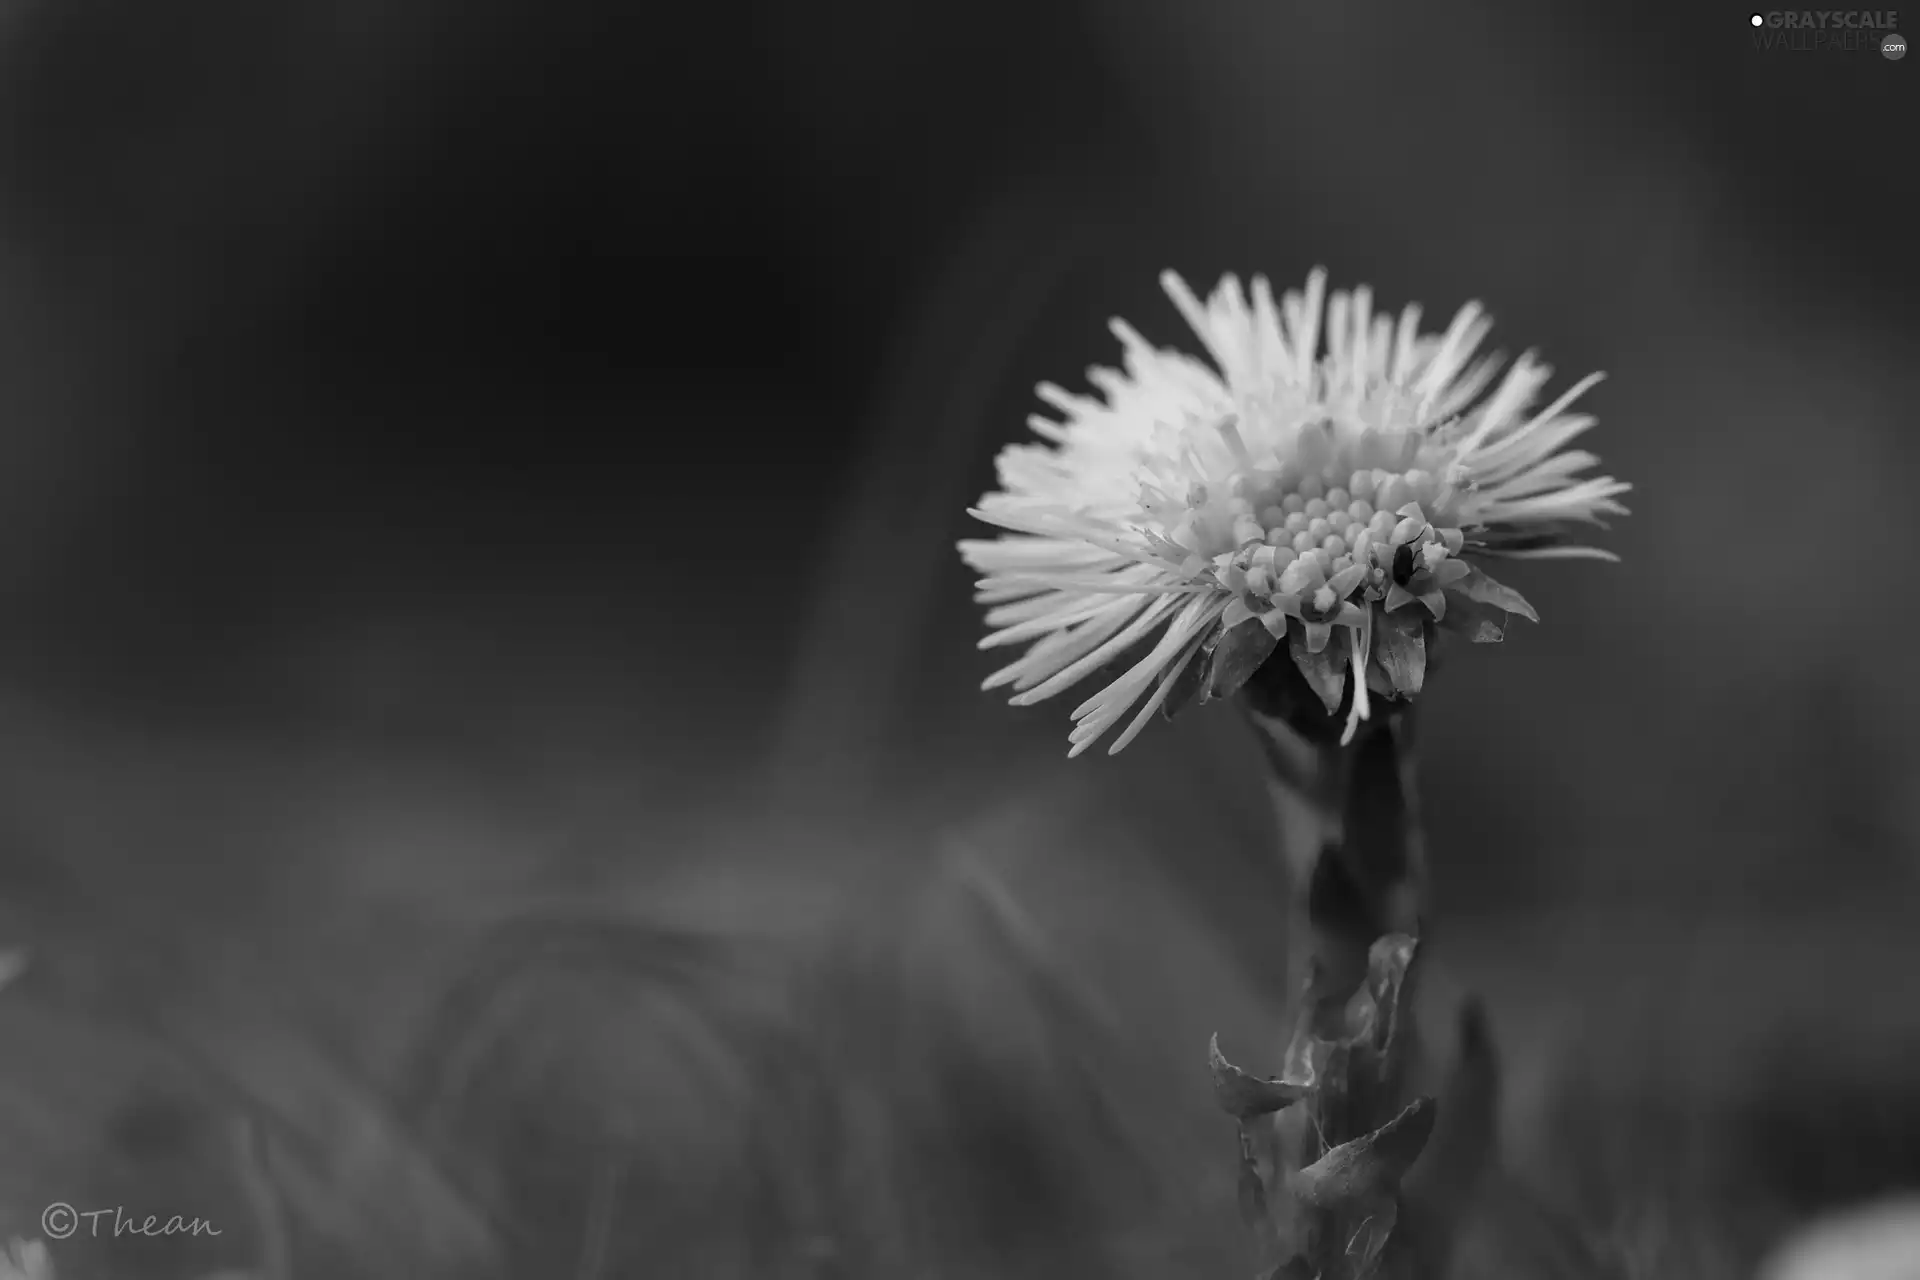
pixel 495 780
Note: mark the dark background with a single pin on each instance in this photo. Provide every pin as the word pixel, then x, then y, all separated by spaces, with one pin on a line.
pixel 452 448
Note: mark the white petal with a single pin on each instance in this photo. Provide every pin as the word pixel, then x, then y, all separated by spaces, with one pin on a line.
pixel 1151 615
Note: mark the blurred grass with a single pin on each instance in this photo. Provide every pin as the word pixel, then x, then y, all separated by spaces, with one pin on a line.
pixel 975 1049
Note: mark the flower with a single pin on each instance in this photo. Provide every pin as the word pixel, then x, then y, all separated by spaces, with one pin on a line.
pixel 1325 494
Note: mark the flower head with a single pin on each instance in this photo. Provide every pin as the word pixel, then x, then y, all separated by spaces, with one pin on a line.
pixel 1327 484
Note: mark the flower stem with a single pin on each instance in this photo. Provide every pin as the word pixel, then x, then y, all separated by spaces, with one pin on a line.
pixel 1349 821
pixel 1329 1183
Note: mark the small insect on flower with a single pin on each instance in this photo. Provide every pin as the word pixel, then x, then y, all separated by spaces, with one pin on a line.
pixel 1332 501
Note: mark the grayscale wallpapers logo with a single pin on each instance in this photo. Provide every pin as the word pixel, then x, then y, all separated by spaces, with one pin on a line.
pixel 1830 31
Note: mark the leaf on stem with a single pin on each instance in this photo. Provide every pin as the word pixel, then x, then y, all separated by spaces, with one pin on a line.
pixel 1252 1191
pixel 1358 1172
pixel 1388 963
pixel 1372 1013
pixel 1244 1096
pixel 1369 1239
pixel 1309 1051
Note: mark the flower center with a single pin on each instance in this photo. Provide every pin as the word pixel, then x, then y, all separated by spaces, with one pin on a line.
pixel 1315 517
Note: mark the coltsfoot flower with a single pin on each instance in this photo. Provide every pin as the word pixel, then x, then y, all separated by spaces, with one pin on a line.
pixel 1332 501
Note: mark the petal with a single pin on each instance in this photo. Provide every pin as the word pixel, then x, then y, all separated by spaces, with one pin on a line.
pixel 1563 553
pixel 1362 646
pixel 1325 672
pixel 1318 633
pixel 1398 597
pixel 1478 586
pixel 1347 579
pixel 1078 656
pixel 1450 571
pixel 1181 640
pixel 1275 620
pixel 1436 602
pixel 1153 703
pixel 1313 447
pixel 1241 651
pixel 1479 623
pixel 1303 577
pixel 1189 687
pixel 1400 649
pixel 1237 613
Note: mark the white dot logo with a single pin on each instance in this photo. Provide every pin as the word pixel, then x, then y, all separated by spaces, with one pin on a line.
pixel 1757 20
pixel 1894 47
